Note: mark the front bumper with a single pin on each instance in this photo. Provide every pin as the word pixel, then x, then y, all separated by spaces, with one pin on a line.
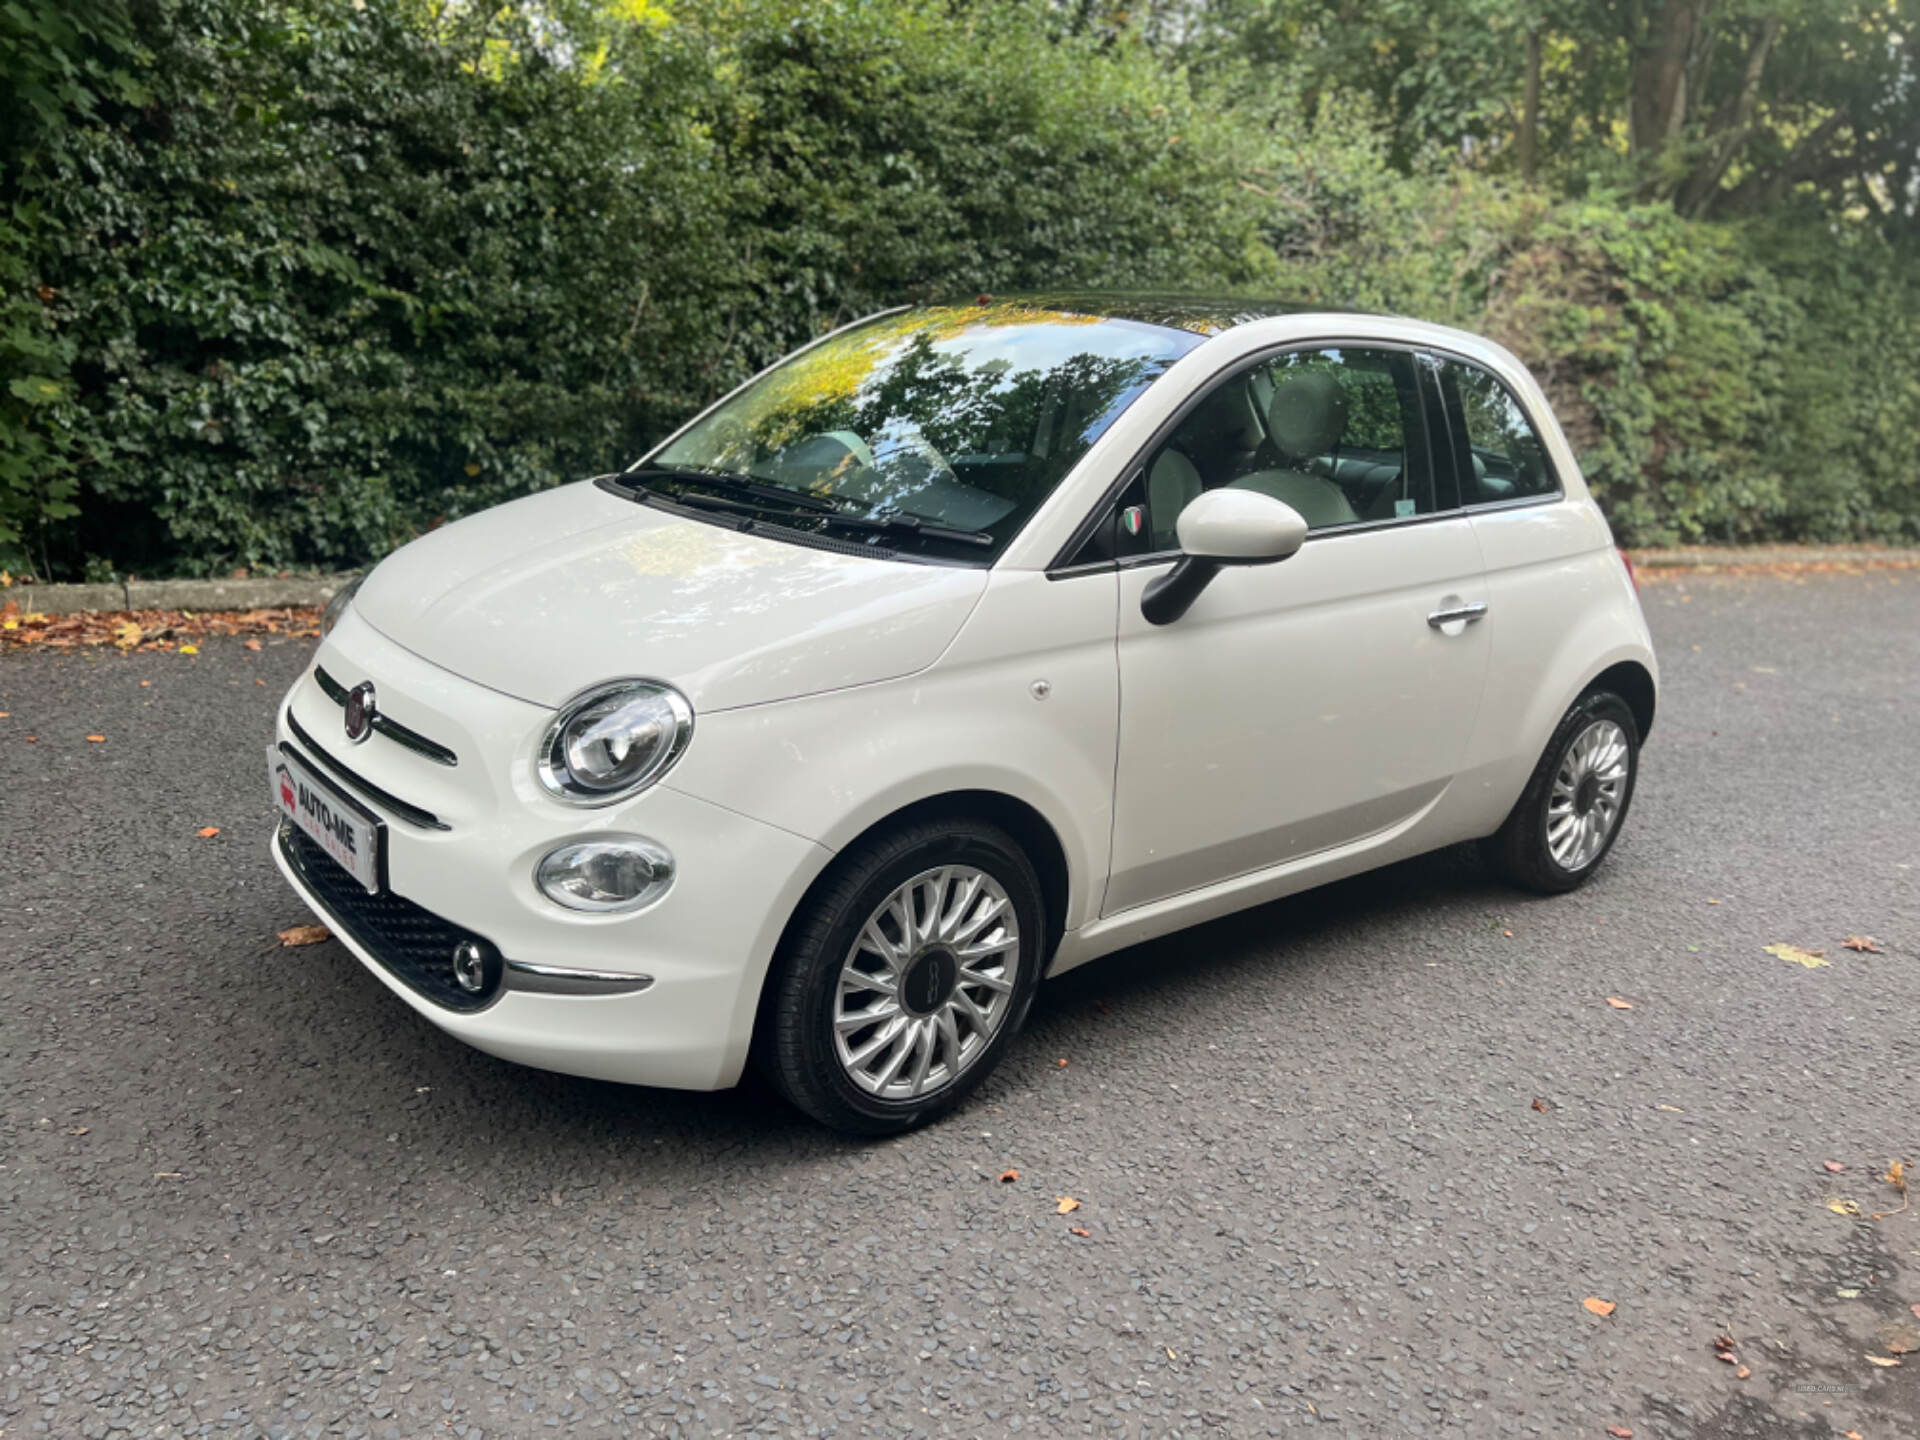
pixel 692 962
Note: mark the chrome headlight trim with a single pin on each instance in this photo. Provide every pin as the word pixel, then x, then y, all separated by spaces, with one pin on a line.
pixel 337 604
pixel 550 761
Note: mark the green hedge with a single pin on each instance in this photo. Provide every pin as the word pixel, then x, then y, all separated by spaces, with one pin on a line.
pixel 283 285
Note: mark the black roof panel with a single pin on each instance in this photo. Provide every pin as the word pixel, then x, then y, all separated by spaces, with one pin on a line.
pixel 1199 313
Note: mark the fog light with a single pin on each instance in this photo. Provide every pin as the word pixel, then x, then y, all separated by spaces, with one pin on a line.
pixel 603 875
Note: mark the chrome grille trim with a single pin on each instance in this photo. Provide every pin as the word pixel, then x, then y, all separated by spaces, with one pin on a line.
pixel 412 814
pixel 387 726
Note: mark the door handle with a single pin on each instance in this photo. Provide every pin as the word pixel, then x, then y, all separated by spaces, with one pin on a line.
pixel 1470 612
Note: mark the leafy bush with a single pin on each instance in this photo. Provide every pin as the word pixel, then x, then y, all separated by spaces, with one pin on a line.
pixel 284 284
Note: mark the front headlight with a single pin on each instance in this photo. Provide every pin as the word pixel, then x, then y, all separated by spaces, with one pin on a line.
pixel 337 604
pixel 614 741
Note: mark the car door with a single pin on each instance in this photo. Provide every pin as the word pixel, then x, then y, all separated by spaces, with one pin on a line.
pixel 1309 703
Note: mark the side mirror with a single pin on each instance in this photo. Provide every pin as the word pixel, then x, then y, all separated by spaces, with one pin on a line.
pixel 1221 527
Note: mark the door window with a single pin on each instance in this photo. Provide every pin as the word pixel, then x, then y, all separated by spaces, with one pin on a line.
pixel 1503 458
pixel 1338 433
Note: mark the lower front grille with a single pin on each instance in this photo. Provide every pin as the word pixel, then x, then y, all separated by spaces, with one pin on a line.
pixel 412 943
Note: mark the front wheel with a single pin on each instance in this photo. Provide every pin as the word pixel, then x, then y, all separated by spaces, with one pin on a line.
pixel 1576 801
pixel 903 980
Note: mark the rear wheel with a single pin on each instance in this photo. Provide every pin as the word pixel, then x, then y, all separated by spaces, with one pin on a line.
pixel 904 979
pixel 1576 800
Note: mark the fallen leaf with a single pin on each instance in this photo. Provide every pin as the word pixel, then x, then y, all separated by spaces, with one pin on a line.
pixel 1840 1205
pixel 1169 1350
pixel 1864 943
pixel 1916 1311
pixel 82 1129
pixel 1848 1294
pixel 1066 1206
pixel 1713 902
pixel 1723 1342
pixel 1896 1176
pixel 1673 1109
pixel 1833 1167
pixel 1794 955
pixel 207 832
pixel 1078 1230
pixel 128 633
pixel 253 644
pixel 167 1175
pixel 96 739
pixel 304 935
pixel 1727 1356
pixel 1742 1373
pixel 1602 1308
pixel 1620 1432
pixel 1882 1361
pixel 1007 1177
pixel 1060 1064
pixel 1540 1105
pixel 1617 1003
pixel 189 649
pixel 1507 933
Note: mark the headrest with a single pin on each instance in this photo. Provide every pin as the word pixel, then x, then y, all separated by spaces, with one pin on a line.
pixel 1308 414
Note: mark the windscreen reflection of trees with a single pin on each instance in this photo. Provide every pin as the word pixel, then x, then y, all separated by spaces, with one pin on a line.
pixel 1020 429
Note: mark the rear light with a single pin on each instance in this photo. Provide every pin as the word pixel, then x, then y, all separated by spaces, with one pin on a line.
pixel 1632 574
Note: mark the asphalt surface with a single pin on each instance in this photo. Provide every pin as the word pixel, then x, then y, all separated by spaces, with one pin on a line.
pixel 244 1191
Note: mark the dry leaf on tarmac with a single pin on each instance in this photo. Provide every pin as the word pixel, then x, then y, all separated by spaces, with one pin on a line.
pixel 1602 1308
pixel 1726 1356
pixel 1794 955
pixel 305 935
pixel 253 644
pixel 1864 943
pixel 1081 1231
pixel 1617 1003
pixel 1620 1432
pixel 1723 1342
pixel 1007 1177
pixel 1882 1361
pixel 1833 1167
pixel 207 832
pixel 1840 1205
pixel 128 633
pixel 1742 1373
pixel 1540 1105
pixel 96 739
pixel 1066 1206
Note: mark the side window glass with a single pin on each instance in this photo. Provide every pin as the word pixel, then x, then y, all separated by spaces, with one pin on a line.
pixel 1338 433
pixel 1505 459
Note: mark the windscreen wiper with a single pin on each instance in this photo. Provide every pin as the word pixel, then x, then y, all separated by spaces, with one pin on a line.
pixel 890 524
pixel 731 483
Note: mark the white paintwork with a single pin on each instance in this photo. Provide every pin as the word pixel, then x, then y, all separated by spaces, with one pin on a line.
pixel 1228 524
pixel 1302 722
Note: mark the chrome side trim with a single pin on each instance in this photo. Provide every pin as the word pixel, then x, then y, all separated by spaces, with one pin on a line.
pixel 564 980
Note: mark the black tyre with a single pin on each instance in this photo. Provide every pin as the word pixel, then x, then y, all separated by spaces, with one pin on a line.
pixel 1571 812
pixel 905 976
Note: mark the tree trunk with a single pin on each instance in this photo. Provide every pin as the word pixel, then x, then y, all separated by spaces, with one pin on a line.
pixel 1530 112
pixel 1700 188
pixel 1657 98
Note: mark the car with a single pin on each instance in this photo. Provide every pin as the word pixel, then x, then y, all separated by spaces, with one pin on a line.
pixel 967 644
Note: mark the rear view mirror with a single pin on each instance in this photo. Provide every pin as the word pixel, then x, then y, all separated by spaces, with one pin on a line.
pixel 1221 527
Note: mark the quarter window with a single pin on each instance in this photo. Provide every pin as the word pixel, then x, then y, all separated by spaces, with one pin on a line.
pixel 1503 456
pixel 1337 433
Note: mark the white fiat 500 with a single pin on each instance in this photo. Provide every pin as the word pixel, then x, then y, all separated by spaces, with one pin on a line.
pixel 964 646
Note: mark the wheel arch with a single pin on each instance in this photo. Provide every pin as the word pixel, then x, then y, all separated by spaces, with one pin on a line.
pixel 1634 683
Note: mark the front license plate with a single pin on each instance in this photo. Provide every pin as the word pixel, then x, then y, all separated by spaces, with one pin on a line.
pixel 345 832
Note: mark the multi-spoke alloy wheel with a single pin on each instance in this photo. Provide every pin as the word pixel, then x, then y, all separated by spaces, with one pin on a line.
pixel 927 982
pixel 904 978
pixel 1587 793
pixel 1576 801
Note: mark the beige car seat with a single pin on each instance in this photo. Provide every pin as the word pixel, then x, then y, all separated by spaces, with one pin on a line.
pixel 1306 419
